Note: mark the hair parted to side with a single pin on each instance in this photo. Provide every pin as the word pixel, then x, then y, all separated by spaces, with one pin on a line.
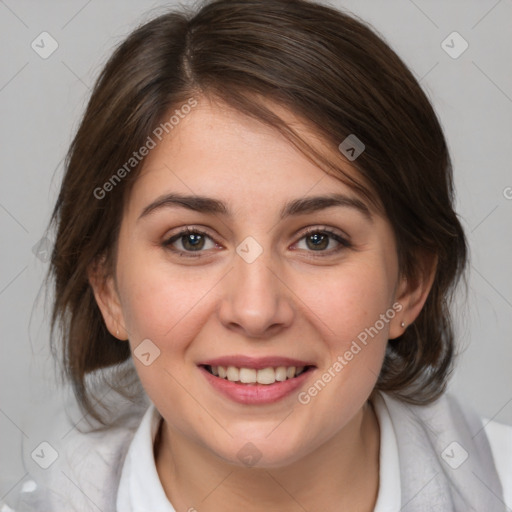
pixel 324 66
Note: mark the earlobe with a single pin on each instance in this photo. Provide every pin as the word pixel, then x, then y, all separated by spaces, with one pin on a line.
pixel 412 294
pixel 107 298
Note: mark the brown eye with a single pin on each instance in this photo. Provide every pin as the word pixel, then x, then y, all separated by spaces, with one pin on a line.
pixel 320 240
pixel 190 240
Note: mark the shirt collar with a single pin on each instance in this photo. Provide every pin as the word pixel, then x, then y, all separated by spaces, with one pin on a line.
pixel 389 496
pixel 140 489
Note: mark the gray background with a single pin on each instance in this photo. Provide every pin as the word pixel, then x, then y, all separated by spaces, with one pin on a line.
pixel 41 101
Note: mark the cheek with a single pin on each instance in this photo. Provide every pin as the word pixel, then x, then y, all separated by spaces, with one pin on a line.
pixel 347 312
pixel 162 301
pixel 348 301
pixel 164 307
pixel 159 302
pixel 347 308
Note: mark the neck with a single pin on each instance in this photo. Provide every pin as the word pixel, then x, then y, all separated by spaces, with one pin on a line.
pixel 341 474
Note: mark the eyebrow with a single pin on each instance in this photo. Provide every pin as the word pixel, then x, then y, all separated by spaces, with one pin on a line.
pixel 295 207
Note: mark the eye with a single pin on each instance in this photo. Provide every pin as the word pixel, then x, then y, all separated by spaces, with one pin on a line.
pixel 190 240
pixel 194 240
pixel 318 240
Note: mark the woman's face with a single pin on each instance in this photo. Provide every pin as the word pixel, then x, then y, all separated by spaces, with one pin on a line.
pixel 249 288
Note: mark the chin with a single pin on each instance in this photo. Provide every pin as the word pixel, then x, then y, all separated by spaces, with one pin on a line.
pixel 247 452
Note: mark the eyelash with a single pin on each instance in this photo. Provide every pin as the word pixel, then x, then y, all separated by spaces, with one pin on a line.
pixel 344 243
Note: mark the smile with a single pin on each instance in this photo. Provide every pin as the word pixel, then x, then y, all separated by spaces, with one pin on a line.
pixel 252 382
pixel 265 376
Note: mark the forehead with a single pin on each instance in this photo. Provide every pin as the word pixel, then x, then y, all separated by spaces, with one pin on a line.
pixel 219 152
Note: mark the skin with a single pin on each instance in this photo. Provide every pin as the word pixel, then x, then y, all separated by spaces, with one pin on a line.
pixel 294 300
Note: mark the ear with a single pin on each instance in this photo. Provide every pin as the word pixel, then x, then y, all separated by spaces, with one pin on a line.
pixel 412 293
pixel 107 297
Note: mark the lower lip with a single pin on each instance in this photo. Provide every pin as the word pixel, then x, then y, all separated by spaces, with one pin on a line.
pixel 252 394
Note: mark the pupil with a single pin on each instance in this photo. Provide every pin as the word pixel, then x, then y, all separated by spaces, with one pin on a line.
pixel 195 240
pixel 318 240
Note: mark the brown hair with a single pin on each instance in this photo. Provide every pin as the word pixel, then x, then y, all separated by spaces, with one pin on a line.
pixel 330 70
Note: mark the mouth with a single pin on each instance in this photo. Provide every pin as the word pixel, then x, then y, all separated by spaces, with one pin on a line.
pixel 264 376
pixel 256 381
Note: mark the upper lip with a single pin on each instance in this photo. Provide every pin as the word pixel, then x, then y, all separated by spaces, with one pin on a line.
pixel 256 363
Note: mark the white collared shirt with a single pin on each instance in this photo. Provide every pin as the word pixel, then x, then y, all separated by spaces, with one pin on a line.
pixel 116 468
pixel 140 489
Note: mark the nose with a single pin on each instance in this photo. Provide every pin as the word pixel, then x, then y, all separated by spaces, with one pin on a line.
pixel 256 300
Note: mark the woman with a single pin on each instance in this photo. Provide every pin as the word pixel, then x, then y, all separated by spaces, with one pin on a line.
pixel 257 216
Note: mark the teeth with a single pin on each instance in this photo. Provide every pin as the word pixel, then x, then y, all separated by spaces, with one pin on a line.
pixel 247 375
pixel 281 373
pixel 266 376
pixel 233 374
pixel 290 372
pixel 252 376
